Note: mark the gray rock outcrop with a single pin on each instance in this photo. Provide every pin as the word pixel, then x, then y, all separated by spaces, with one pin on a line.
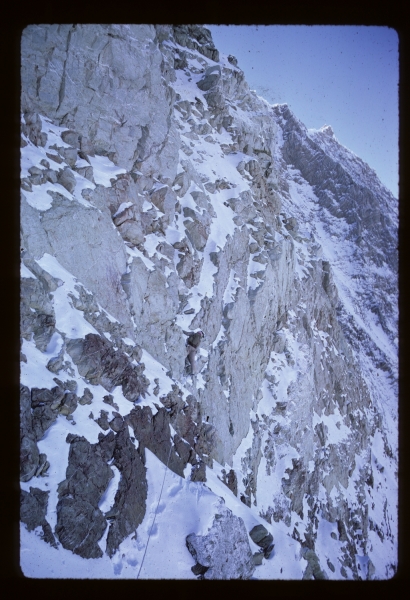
pixel 33 511
pixel 260 535
pixel 313 570
pixel 80 523
pixel 130 499
pixel 39 409
pixel 98 362
pixel 224 552
pixel 29 453
pixel 153 432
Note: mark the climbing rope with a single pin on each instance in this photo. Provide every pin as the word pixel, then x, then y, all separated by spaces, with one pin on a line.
pixel 155 514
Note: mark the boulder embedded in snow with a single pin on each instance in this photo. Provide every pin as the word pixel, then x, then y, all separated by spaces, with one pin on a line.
pixel 197 233
pixel 70 156
pixel 157 196
pixel 257 558
pixel 210 78
pixel 86 172
pixel 313 570
pixel 261 536
pixel 67 179
pixel 69 404
pixel 224 552
pixel 103 420
pixel 50 175
pixel 55 363
pixel 87 397
pixel 132 232
pixel 72 138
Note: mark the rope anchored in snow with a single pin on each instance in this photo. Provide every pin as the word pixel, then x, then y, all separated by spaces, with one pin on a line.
pixel 155 514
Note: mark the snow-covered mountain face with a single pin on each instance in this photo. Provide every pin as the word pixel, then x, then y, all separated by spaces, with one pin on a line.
pixel 161 195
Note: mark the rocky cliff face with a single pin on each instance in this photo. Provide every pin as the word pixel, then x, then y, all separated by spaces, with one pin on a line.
pixel 160 194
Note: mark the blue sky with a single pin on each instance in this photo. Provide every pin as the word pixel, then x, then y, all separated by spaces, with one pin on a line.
pixel 343 76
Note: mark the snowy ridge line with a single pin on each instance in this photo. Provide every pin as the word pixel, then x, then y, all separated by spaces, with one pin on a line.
pixel 340 273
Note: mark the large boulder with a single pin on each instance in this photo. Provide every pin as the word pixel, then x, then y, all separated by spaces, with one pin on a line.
pixel 210 78
pixel 132 232
pixel 80 523
pixel 224 553
pixel 80 526
pixel 197 233
pixel 67 179
pixel 261 536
